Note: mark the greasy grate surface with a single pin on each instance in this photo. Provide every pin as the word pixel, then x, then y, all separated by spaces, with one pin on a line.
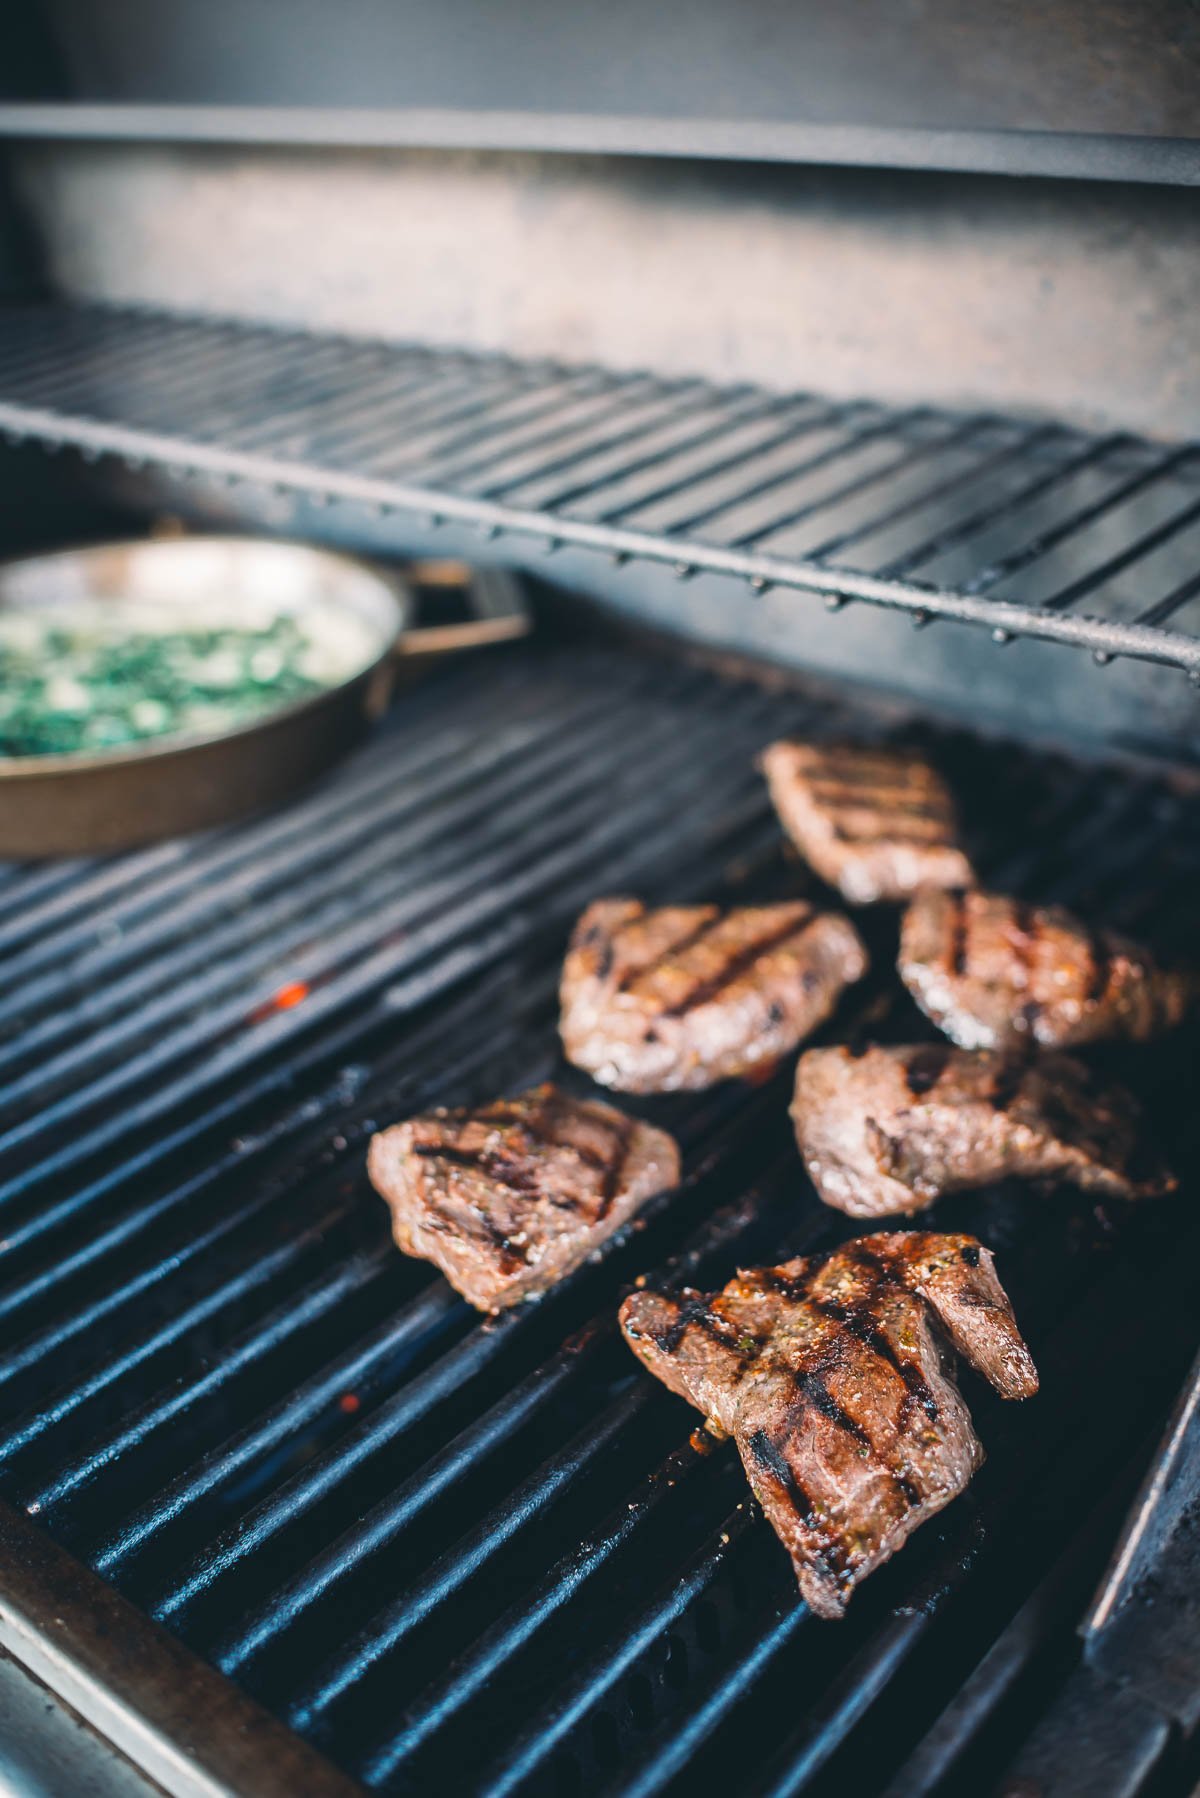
pixel 496 1556
pixel 1026 529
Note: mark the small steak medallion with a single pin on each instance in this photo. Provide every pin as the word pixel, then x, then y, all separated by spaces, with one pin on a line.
pixel 510 1197
pixel 662 1001
pixel 893 1129
pixel 993 972
pixel 834 1376
pixel 875 823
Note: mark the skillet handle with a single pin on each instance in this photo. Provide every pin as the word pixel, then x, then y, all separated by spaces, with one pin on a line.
pixel 498 611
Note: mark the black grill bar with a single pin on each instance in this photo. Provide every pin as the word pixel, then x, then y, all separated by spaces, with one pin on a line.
pixel 720 1236
pixel 281 932
pixel 539 1741
pixel 451 909
pixel 580 456
pixel 1038 1635
pixel 987 517
pixel 260 1628
pixel 1125 558
pixel 1162 465
pixel 468 1555
pixel 855 439
pixel 944 483
pixel 882 431
pixel 220 1559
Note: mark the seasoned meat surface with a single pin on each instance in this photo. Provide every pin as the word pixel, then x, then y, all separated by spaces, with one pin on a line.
pixel 893 1129
pixel 833 1375
pixel 993 972
pixel 509 1197
pixel 875 823
pixel 659 1001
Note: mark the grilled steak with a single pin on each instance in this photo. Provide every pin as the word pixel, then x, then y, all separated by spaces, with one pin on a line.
pixel 657 1001
pixel 830 1377
pixel 875 823
pixel 508 1198
pixel 992 972
pixel 893 1129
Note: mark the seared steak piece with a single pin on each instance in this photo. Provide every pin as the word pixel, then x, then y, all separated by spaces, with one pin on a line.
pixel 992 972
pixel 659 1001
pixel 831 1378
pixel 893 1129
pixel 875 823
pixel 508 1198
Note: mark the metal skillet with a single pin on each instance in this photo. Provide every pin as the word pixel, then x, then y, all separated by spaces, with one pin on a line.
pixel 93 801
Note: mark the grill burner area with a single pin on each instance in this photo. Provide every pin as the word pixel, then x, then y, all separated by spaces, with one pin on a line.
pixel 462 1555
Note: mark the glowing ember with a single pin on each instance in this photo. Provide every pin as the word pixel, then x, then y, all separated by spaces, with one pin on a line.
pixel 289 995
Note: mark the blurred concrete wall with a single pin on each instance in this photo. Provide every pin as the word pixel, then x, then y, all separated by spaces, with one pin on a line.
pixel 1073 300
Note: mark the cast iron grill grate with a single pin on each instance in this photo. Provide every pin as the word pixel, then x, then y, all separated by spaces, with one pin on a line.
pixel 1028 529
pixel 495 1556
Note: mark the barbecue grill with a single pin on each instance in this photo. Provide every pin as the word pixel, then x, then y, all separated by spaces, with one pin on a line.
pixel 278 1511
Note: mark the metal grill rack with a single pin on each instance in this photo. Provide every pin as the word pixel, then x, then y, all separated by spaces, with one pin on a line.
pixel 468 1556
pixel 1030 530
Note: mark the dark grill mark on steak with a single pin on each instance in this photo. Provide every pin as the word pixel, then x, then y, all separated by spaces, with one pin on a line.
pixel 848 771
pixel 509 1198
pixel 1021 939
pixel 539 1129
pixel 511 1255
pixel 1024 927
pixel 832 1552
pixel 842 796
pixel 694 1313
pixel 857 1319
pixel 876 823
pixel 693 995
pixel 811 1382
pixel 844 1498
pixel 688 940
pixel 926 1066
pixel 1006 1084
pixel 498 1167
pixel 515 1164
pixel 902 828
pixel 1099 969
pixel 737 964
pixel 871 1149
pixel 1015 970
pixel 611 1184
pixel 958 931
pixel 773 1280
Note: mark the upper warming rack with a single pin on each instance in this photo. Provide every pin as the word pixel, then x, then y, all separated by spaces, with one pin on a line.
pixel 1029 529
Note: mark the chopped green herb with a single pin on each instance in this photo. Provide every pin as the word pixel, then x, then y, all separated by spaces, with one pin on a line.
pixel 91 678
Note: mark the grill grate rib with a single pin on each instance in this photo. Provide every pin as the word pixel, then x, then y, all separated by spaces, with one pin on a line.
pixel 462 1555
pixel 844 499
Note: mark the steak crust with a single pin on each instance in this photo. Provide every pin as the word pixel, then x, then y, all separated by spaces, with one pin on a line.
pixel 508 1198
pixel 834 1376
pixel 993 972
pixel 875 823
pixel 663 1001
pixel 892 1129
